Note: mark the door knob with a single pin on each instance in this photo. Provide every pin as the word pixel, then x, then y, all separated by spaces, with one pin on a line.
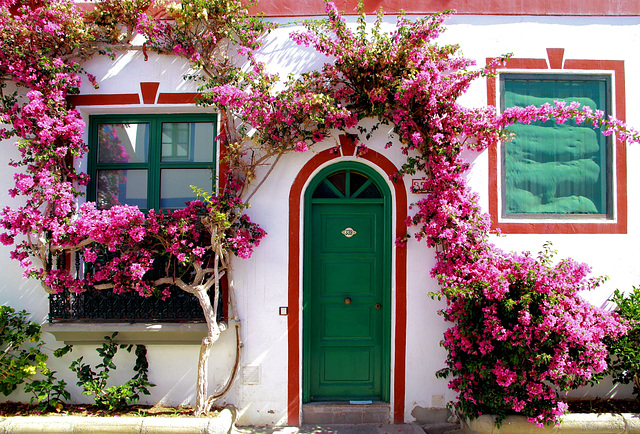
pixel 347 300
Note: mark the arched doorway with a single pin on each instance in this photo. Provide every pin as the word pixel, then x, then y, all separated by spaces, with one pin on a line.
pixel 347 285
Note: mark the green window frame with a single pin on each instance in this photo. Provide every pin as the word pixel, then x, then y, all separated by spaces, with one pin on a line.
pixel 556 171
pixel 150 160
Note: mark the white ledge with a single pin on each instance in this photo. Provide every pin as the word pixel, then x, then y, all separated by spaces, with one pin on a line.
pixel 129 333
pixel 571 423
pixel 222 423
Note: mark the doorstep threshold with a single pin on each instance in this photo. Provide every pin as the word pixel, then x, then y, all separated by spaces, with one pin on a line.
pixel 344 412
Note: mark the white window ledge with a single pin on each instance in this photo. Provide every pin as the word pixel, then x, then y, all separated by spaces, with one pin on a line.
pixel 136 333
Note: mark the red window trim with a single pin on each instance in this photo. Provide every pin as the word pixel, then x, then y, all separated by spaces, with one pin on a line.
pixel 133 98
pixel 556 61
pixel 148 90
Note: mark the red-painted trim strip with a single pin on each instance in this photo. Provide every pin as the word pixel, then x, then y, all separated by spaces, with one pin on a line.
pixel 104 99
pixel 556 57
pixel 294 318
pixel 149 91
pixel 148 95
pixel 178 98
pixel 604 227
pixel 295 313
pixel 347 145
pixel 277 8
pixel 287 8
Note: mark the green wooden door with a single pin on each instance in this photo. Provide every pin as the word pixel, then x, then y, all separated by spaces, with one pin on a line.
pixel 347 292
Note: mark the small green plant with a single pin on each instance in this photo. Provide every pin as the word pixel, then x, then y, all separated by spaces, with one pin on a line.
pixel 21 355
pixel 624 365
pixel 22 358
pixel 49 392
pixel 95 383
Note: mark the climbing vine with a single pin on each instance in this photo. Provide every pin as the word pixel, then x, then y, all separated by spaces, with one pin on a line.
pixel 404 79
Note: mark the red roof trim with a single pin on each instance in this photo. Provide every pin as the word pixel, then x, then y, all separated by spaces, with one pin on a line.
pixel 294 8
pixel 289 8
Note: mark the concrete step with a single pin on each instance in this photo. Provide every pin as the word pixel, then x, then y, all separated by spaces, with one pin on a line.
pixel 323 413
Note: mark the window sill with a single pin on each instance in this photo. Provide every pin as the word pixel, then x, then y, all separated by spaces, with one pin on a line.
pixel 137 333
pixel 561 227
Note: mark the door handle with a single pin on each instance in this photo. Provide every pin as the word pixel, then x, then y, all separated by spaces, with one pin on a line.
pixel 347 300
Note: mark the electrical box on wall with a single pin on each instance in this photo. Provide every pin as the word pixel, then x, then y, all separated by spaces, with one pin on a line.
pixel 251 374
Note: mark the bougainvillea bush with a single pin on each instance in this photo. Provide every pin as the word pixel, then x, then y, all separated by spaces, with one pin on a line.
pixel 42 48
pixel 520 332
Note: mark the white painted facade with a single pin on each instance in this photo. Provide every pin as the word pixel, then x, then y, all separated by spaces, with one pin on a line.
pixel 262 281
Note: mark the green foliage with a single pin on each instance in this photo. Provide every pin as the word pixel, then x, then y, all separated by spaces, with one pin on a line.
pixel 20 361
pixel 49 392
pixel 95 383
pixel 624 366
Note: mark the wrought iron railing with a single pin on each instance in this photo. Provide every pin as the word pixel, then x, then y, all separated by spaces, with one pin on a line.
pixel 105 306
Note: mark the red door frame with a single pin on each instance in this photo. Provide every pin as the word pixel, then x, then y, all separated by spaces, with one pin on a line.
pixel 295 289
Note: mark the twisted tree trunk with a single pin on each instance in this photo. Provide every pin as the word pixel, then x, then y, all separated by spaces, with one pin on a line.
pixel 213 334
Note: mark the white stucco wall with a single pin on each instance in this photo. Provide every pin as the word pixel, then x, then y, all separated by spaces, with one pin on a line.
pixel 261 282
pixel 528 37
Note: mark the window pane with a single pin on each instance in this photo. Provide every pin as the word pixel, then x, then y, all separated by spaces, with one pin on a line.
pixel 187 141
pixel 339 180
pixel 555 168
pixel 123 143
pixel 323 191
pixel 122 187
pixel 357 181
pixel 370 192
pixel 175 185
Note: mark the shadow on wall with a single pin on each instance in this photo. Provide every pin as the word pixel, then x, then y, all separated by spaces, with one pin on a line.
pixel 283 56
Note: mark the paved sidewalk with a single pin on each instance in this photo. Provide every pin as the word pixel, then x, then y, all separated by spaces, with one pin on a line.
pixel 363 428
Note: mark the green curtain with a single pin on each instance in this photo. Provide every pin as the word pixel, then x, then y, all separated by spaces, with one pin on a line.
pixel 555 168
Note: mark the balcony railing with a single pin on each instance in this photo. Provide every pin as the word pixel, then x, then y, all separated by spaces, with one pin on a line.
pixel 105 306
